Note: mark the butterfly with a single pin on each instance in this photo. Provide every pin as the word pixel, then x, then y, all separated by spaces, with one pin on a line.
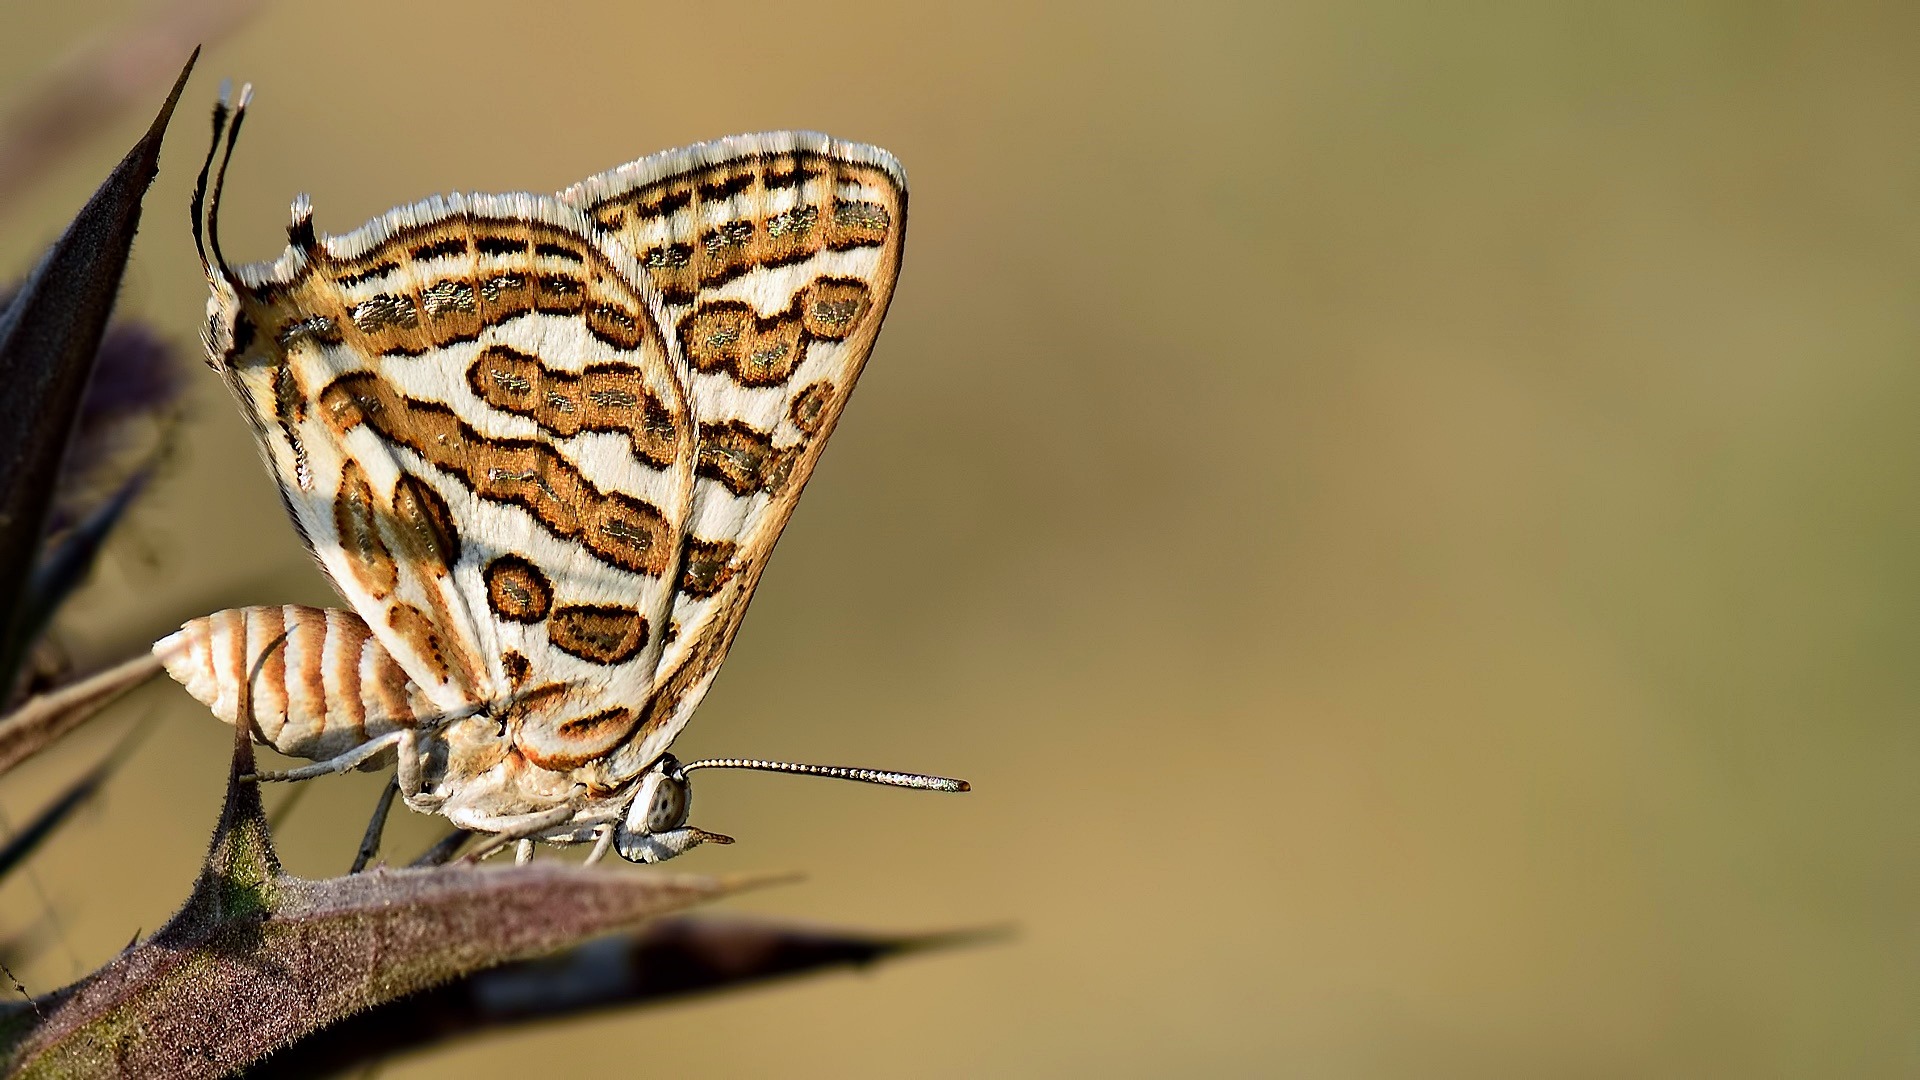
pixel 543 447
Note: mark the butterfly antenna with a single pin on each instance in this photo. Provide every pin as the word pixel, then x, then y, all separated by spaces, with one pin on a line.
pixel 220 181
pixel 220 113
pixel 837 772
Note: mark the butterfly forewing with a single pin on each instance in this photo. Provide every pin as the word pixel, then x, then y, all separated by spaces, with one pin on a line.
pixel 481 429
pixel 775 258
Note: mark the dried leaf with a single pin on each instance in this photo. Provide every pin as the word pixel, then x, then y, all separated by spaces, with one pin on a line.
pixel 666 960
pixel 40 721
pixel 49 337
pixel 257 958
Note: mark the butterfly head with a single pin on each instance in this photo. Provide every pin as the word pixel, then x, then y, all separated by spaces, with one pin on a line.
pixel 661 805
pixel 655 826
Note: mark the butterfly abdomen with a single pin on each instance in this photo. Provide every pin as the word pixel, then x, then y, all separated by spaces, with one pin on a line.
pixel 325 688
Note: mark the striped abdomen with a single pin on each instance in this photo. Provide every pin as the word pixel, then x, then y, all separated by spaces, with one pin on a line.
pixel 326 689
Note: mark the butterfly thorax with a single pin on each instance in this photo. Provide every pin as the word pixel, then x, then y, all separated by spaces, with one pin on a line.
pixel 478 779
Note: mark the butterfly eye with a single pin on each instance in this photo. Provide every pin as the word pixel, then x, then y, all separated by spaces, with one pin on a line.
pixel 667 809
pixel 661 803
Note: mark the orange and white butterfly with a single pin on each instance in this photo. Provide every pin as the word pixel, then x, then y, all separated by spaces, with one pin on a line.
pixel 543 447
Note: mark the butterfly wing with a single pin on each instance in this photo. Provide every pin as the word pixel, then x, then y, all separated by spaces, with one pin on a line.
pixel 775 257
pixel 484 438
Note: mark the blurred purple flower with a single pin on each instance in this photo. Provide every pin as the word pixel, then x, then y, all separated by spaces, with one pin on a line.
pixel 124 423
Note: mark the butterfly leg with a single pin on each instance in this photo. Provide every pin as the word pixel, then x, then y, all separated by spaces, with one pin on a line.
pixel 522 828
pixel 523 852
pixel 354 757
pixel 370 843
pixel 406 772
pixel 601 846
pixel 441 852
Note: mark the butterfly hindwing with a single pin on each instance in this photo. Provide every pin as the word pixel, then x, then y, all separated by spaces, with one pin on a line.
pixel 484 436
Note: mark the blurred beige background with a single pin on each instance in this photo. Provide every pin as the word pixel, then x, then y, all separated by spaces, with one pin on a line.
pixel 1406 513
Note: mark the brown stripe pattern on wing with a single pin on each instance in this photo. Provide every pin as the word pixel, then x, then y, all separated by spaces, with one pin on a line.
pixel 621 530
pixel 782 230
pixel 776 263
pixel 730 337
pixel 361 336
pixel 327 688
pixel 602 397
pixel 443 283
